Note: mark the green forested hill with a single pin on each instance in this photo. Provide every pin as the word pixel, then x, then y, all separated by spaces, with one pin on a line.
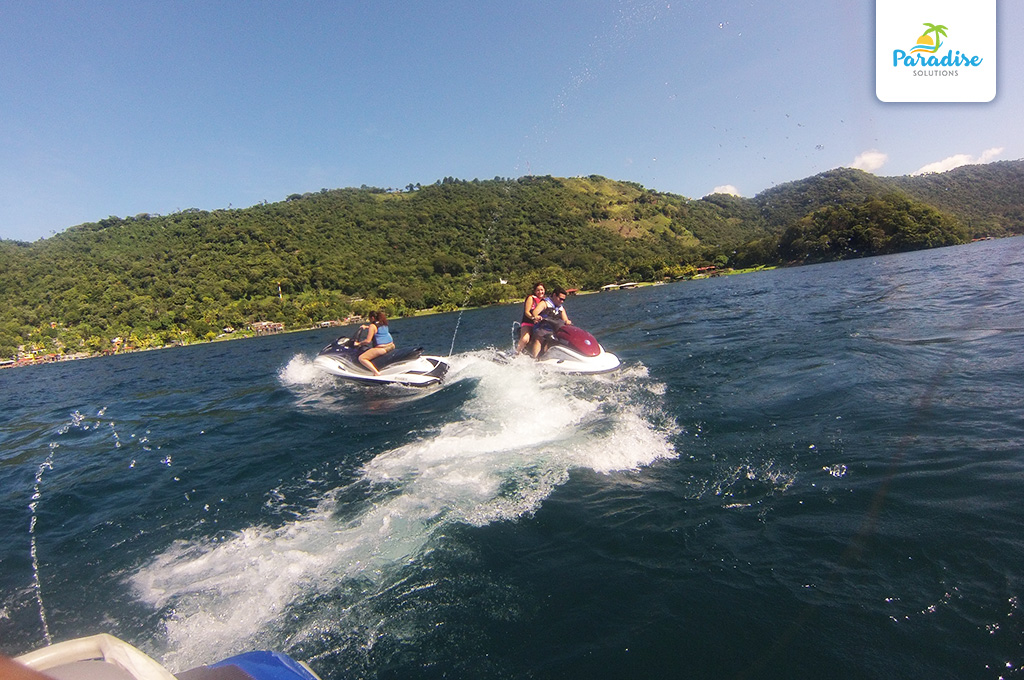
pixel 786 204
pixel 184 277
pixel 988 198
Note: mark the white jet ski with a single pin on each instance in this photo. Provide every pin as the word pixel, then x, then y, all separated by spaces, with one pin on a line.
pixel 105 657
pixel 570 349
pixel 398 367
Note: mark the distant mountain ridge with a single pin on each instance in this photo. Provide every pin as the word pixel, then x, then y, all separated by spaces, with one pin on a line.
pixel 151 280
pixel 987 198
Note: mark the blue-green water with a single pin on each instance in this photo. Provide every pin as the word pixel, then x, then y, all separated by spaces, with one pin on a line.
pixel 810 472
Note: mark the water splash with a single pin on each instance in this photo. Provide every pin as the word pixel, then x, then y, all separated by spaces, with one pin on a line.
pixel 515 439
pixel 77 421
pixel 752 483
pixel 37 586
pixel 300 370
pixel 78 425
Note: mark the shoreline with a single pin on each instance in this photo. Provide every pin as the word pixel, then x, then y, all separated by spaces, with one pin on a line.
pixel 245 335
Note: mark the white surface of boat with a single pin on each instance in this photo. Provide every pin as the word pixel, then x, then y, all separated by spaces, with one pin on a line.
pixel 105 657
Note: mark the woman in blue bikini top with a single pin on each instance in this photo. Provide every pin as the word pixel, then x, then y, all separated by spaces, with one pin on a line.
pixel 378 339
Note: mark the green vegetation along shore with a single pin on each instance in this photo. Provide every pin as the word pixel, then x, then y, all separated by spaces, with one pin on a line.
pixel 153 280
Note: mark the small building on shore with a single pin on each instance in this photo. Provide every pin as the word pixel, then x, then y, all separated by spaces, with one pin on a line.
pixel 266 327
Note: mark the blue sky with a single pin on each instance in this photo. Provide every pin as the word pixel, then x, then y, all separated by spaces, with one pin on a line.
pixel 110 107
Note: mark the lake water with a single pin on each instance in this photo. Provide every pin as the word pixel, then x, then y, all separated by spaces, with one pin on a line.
pixel 808 472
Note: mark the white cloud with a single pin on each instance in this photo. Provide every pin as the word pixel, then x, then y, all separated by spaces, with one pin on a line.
pixel 987 156
pixel 725 189
pixel 869 161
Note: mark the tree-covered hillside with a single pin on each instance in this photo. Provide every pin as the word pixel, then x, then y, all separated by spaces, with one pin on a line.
pixel 185 277
pixel 987 198
pixel 877 226
pixel 152 280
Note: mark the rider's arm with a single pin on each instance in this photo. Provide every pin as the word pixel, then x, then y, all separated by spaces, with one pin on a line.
pixel 370 332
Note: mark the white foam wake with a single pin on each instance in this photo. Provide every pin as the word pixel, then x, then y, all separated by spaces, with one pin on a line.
pixel 301 370
pixel 513 441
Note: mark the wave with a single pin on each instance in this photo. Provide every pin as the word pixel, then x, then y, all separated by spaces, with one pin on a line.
pixel 515 436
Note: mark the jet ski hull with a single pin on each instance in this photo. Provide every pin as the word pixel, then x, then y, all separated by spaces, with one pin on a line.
pixel 570 349
pixel 565 360
pixel 398 367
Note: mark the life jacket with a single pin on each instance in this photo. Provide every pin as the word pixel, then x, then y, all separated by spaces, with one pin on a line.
pixel 527 318
pixel 551 311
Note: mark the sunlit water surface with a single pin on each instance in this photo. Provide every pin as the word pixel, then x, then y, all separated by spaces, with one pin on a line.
pixel 810 472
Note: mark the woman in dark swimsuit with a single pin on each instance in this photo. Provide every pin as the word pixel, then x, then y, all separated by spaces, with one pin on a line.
pixel 526 323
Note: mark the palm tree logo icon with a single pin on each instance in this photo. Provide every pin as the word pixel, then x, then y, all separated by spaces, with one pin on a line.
pixel 925 42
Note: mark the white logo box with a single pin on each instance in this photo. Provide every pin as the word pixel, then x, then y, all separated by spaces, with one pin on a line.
pixel 963 69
